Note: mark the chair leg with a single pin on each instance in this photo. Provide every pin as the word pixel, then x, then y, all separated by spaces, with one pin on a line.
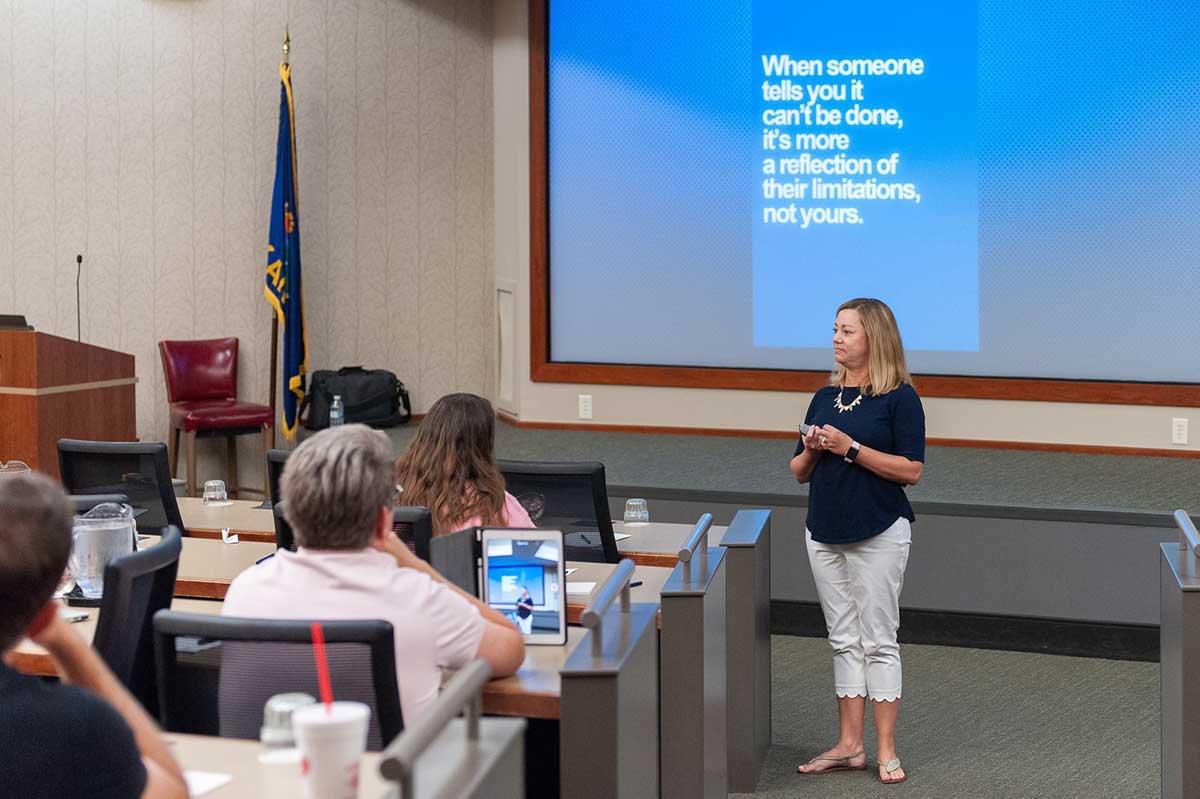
pixel 231 486
pixel 268 435
pixel 173 450
pixel 189 440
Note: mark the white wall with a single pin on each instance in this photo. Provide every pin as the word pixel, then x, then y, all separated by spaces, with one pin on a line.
pixel 1041 422
pixel 142 134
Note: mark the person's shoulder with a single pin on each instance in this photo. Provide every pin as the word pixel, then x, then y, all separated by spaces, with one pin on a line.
pixel 905 392
pixel 66 708
pixel 825 391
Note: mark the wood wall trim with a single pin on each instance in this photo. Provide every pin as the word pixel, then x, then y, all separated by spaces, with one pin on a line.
pixel 539 232
pixel 543 370
pixel 1032 446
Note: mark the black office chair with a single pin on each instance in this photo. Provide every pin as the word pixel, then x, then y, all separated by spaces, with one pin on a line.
pixel 276 458
pixel 414 526
pixel 138 470
pixel 235 665
pixel 284 539
pixel 136 587
pixel 572 497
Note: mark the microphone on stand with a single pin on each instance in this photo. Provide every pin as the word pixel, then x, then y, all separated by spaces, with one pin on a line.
pixel 78 271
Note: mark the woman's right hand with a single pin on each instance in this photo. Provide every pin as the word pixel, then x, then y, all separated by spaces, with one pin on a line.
pixel 812 441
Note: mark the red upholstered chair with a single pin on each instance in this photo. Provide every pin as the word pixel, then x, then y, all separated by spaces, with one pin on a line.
pixel 202 392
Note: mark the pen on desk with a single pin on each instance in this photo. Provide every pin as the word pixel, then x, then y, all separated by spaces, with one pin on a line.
pixel 264 557
pixel 635 583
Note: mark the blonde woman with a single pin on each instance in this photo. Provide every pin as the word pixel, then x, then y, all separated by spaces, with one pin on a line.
pixel 866 442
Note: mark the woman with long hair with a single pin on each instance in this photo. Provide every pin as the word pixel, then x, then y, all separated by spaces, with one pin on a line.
pixel 864 443
pixel 450 468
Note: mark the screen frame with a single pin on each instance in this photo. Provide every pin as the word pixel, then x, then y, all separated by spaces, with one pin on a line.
pixel 488 534
pixel 544 370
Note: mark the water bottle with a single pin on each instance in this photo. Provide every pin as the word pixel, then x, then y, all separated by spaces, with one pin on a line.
pixel 337 414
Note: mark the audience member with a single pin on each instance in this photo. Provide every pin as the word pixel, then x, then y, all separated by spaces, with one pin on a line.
pixel 88 739
pixel 450 468
pixel 350 565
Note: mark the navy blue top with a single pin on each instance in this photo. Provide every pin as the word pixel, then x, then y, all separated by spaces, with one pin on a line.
pixel 847 502
pixel 62 742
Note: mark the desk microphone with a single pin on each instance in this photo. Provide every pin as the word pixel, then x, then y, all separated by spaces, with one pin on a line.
pixel 78 271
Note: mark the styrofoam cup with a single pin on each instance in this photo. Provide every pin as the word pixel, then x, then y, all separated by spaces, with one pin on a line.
pixel 331 743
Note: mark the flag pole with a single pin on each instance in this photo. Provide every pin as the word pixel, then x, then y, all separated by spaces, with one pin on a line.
pixel 287 46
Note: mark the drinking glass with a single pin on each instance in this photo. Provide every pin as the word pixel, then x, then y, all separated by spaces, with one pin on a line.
pixel 214 492
pixel 636 513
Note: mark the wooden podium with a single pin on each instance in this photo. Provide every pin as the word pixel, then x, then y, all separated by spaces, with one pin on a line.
pixel 52 388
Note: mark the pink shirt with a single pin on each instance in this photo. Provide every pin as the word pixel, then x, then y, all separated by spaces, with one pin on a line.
pixel 434 627
pixel 515 515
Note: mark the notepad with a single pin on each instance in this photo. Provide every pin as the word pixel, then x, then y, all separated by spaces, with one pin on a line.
pixel 202 782
pixel 580 587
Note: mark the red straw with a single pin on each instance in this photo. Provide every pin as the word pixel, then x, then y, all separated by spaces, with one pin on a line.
pixel 318 637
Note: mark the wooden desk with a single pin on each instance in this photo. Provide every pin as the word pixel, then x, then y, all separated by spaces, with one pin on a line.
pixel 535 690
pixel 30 658
pixel 251 779
pixel 658 543
pixel 652 578
pixel 207 567
pixel 241 516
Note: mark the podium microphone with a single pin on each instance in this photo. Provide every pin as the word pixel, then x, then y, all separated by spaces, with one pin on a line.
pixel 78 270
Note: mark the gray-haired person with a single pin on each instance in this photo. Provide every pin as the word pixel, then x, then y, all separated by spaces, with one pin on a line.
pixel 338 490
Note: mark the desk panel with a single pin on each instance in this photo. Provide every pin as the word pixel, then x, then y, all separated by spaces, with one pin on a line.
pixel 241 516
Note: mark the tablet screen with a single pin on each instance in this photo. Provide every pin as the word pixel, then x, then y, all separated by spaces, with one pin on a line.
pixel 524 580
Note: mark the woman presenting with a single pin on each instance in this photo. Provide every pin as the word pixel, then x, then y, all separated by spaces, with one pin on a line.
pixel 866 442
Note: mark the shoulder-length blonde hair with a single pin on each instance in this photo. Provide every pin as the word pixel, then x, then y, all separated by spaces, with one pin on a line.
pixel 450 466
pixel 886 367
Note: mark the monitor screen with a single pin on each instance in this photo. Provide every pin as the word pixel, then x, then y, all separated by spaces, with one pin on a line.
pixel 523 579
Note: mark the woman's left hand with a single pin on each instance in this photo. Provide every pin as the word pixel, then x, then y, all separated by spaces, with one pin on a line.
pixel 834 440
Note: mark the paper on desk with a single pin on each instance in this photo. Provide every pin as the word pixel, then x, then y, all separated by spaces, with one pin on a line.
pixel 202 782
pixel 227 538
pixel 571 571
pixel 580 587
pixel 621 536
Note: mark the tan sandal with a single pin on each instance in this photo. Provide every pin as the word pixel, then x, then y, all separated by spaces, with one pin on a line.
pixel 889 767
pixel 840 764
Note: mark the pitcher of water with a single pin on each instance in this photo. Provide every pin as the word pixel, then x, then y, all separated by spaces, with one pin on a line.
pixel 101 535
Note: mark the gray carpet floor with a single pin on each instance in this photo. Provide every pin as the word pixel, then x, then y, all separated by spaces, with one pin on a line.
pixel 952 474
pixel 976 723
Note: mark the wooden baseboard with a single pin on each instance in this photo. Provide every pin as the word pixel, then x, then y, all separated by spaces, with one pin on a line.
pixel 1034 446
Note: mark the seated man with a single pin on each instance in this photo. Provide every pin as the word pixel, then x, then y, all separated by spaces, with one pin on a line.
pixel 89 739
pixel 339 491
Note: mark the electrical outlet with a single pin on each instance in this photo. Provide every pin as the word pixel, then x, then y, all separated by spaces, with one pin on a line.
pixel 1179 430
pixel 585 406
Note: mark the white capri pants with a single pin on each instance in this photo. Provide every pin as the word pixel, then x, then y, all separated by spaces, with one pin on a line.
pixel 859 587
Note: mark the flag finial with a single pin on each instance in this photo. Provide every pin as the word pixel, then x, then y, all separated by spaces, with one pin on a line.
pixel 287 44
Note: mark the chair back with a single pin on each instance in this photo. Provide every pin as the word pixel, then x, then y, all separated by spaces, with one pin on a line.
pixel 237 664
pixel 139 470
pixel 276 458
pixel 200 370
pixel 283 531
pixel 572 497
pixel 414 526
pixel 136 587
